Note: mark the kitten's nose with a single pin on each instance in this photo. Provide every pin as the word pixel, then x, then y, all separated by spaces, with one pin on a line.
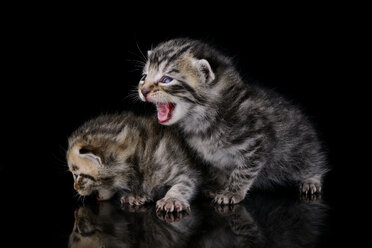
pixel 145 91
pixel 76 186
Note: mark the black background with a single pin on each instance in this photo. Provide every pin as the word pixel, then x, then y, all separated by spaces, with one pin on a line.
pixel 62 68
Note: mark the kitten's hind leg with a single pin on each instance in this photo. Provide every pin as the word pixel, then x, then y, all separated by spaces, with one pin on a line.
pixel 312 185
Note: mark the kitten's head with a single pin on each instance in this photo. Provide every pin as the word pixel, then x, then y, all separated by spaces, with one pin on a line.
pixel 96 156
pixel 89 172
pixel 178 76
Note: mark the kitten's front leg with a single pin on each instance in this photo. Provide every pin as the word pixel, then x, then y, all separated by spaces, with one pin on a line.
pixel 240 181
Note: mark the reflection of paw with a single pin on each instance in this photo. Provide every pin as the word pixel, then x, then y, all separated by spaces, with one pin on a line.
pixel 311 186
pixel 103 195
pixel 225 210
pixel 225 198
pixel 310 197
pixel 172 204
pixel 172 217
pixel 209 193
pixel 134 200
pixel 135 208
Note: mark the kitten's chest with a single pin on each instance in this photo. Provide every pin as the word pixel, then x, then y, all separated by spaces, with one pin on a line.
pixel 212 150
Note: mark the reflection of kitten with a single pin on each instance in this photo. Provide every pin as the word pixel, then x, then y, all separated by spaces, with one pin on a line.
pixel 124 152
pixel 96 227
pixel 289 222
pixel 249 135
pixel 230 227
pixel 106 225
pixel 265 221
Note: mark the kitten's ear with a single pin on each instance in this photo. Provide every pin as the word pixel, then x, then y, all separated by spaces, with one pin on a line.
pixel 149 53
pixel 205 68
pixel 85 153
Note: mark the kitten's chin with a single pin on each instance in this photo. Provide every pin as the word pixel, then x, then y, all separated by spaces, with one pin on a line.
pixel 169 113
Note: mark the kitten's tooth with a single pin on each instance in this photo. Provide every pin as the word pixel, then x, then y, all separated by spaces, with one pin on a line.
pixel 188 210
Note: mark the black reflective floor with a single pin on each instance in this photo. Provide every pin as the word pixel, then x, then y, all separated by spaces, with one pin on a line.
pixel 263 220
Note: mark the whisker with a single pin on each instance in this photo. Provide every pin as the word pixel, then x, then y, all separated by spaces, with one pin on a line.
pixel 138 62
pixel 138 56
pixel 145 58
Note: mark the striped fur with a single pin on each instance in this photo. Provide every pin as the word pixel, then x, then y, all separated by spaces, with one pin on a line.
pixel 250 136
pixel 134 154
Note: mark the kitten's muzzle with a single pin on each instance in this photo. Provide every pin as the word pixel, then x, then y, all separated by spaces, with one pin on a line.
pixel 145 92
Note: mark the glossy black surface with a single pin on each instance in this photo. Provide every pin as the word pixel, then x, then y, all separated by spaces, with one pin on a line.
pixel 261 221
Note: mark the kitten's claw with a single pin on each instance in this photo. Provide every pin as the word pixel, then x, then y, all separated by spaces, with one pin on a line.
pixel 172 204
pixel 227 198
pixel 134 200
pixel 311 186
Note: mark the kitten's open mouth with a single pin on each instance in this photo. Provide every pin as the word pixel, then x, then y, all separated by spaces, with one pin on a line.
pixel 165 111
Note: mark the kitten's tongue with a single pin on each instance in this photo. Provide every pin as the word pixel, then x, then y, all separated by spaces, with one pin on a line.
pixel 164 111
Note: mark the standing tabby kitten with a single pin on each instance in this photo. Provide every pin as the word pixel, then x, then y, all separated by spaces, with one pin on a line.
pixel 250 136
pixel 134 154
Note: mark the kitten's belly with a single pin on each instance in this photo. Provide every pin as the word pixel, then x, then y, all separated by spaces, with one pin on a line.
pixel 213 152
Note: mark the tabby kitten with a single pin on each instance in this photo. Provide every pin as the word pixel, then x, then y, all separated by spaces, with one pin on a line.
pixel 135 155
pixel 250 136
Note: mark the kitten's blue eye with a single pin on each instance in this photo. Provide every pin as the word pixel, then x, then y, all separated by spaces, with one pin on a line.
pixel 166 80
pixel 143 77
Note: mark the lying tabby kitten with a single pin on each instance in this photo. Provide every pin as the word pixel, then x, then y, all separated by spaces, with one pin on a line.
pixel 134 154
pixel 250 136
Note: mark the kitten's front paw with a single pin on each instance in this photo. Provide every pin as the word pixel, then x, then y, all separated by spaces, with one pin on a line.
pixel 134 200
pixel 172 204
pixel 103 195
pixel 225 198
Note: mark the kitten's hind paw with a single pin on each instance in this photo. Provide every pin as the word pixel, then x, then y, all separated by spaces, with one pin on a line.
pixel 172 204
pixel 134 200
pixel 311 186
